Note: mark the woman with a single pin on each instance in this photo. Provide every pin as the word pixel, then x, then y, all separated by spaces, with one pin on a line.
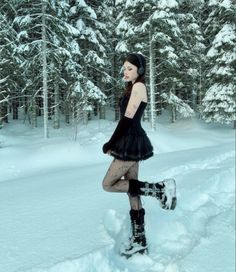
pixel 128 145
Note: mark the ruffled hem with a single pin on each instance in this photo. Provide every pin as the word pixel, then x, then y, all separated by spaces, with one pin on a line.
pixel 129 157
pixel 133 148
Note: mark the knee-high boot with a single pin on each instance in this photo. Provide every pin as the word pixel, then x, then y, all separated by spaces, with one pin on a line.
pixel 164 191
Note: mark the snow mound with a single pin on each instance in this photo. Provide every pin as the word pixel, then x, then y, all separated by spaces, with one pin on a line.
pixel 201 227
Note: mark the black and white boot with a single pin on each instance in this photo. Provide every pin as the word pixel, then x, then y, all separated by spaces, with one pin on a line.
pixel 164 191
pixel 137 242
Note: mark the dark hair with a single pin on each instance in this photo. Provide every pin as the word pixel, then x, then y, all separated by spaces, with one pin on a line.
pixel 139 61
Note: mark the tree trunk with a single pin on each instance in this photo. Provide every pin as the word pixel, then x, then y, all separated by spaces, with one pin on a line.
pixel 102 112
pixel 3 109
pixel 173 108
pixel 44 59
pixel 56 123
pixel 67 112
pixel 75 118
pixel 85 116
pixel 173 114
pixel 33 113
pixel 152 83
pixel 200 92
pixel 15 105
pixel 85 100
pixel 3 113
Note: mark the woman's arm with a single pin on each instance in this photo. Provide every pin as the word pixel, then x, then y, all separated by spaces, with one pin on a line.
pixel 138 94
pixel 122 126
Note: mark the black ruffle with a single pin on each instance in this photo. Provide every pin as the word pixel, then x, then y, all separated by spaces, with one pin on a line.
pixel 133 147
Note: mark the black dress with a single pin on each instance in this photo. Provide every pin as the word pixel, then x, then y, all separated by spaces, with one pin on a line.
pixel 134 145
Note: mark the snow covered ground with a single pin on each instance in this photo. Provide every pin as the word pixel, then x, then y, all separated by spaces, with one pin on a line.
pixel 55 217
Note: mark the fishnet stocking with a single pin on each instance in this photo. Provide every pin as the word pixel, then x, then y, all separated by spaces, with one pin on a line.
pixel 117 179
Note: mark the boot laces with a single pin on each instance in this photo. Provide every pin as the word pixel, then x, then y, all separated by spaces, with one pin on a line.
pixel 138 236
pixel 153 190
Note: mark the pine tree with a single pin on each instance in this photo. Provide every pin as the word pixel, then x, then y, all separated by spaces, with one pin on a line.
pixel 3 78
pixel 168 44
pixel 191 53
pixel 219 102
pixel 9 64
pixel 44 38
pixel 86 91
pixel 3 100
pixel 111 11
pixel 80 46
pixel 201 14
pixel 107 80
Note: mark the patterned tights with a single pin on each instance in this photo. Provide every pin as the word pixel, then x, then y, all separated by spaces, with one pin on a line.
pixel 117 180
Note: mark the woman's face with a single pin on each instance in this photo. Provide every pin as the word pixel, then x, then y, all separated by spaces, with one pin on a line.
pixel 130 72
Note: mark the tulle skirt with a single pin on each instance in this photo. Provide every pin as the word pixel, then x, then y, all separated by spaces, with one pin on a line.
pixel 134 146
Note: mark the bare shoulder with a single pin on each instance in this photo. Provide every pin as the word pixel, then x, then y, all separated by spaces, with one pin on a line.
pixel 139 89
pixel 139 86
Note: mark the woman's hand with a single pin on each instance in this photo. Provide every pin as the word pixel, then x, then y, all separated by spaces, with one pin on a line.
pixel 106 148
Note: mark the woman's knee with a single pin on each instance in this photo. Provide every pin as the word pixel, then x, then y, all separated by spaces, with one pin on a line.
pixel 106 186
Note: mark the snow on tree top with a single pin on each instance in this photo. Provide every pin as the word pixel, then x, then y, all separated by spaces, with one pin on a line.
pixel 92 13
pixel 84 6
pixel 122 47
pixel 226 35
pixel 72 30
pixel 23 34
pixel 94 91
pixel 216 91
pixel 222 70
pixel 167 48
pixel 225 3
pixel 92 56
pixel 129 3
pixel 122 26
pixel 164 4
pixel 75 47
pixel 183 108
pixel 80 25
pixel 117 2
pixel 159 14
pixel 213 2
pixel 228 57
pixel 22 20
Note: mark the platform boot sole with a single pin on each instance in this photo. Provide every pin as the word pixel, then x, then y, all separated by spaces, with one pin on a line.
pixel 130 253
pixel 170 199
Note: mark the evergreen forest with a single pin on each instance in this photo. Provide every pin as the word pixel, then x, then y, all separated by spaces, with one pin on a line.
pixel 62 59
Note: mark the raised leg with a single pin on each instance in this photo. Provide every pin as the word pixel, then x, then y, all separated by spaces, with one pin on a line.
pixel 113 180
